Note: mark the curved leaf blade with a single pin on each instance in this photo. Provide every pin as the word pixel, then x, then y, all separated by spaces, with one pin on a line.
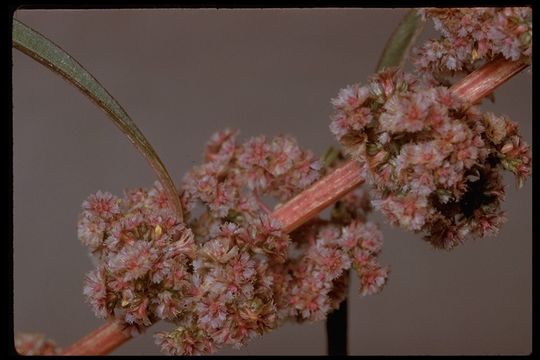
pixel 41 49
pixel 399 44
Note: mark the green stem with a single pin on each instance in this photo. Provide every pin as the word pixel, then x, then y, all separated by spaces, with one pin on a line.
pixel 56 59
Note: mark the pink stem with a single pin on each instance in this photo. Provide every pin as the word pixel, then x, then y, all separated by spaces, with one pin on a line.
pixel 485 80
pixel 101 341
pixel 317 197
pixel 323 193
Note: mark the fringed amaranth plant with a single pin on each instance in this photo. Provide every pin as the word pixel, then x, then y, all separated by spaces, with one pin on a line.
pixel 212 256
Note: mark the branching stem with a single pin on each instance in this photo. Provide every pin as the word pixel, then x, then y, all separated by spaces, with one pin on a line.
pixel 323 193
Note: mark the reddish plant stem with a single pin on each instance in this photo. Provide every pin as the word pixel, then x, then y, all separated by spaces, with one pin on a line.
pixel 101 341
pixel 320 195
pixel 483 81
pixel 323 193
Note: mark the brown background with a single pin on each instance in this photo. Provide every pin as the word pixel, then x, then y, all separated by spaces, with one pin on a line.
pixel 183 74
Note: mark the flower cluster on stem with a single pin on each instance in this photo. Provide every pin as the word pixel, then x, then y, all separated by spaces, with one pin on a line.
pixel 142 253
pixel 434 160
pixel 472 36
pixel 35 344
pixel 229 273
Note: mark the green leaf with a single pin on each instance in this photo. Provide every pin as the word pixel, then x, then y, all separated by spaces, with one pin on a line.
pixel 330 156
pixel 56 59
pixel 398 46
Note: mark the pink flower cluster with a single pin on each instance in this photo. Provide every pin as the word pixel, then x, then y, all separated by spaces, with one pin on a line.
pixel 229 274
pixel 434 161
pixel 278 168
pixel 242 293
pixel 472 35
pixel 315 281
pixel 35 344
pixel 142 253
